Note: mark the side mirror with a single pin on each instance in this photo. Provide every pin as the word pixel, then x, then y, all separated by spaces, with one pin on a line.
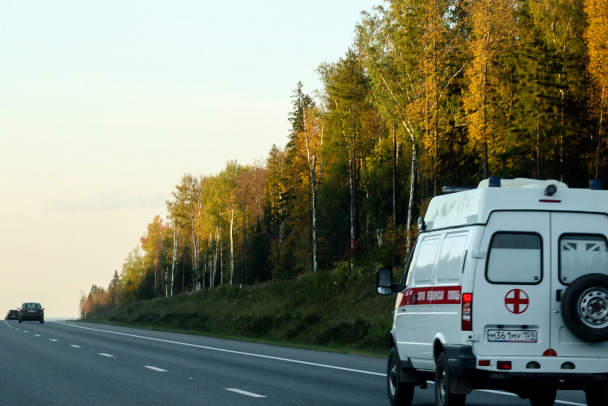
pixel 384 281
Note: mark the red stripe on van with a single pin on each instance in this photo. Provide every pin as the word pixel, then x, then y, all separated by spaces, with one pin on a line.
pixel 437 295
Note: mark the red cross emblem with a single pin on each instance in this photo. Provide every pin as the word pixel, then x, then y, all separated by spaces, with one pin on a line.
pixel 517 301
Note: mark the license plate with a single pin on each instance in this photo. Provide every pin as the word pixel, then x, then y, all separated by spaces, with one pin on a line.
pixel 512 336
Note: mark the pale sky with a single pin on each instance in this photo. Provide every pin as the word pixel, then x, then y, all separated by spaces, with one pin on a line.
pixel 105 104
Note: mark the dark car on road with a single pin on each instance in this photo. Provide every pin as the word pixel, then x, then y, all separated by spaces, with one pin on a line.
pixel 31 311
pixel 12 315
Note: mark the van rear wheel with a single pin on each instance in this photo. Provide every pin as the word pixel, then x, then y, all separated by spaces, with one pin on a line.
pixel 543 397
pixel 596 396
pixel 443 377
pixel 399 393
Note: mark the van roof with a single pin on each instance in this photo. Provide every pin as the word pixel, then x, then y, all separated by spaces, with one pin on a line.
pixel 474 206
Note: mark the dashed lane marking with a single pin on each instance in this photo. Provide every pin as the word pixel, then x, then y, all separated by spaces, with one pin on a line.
pixel 314 364
pixel 242 392
pixel 155 368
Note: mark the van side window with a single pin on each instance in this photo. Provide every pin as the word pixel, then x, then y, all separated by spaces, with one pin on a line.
pixel 451 257
pixel 515 258
pixel 425 260
pixel 581 254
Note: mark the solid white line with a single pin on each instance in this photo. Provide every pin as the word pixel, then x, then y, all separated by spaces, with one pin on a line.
pixel 242 392
pixel 155 368
pixel 261 356
pixel 230 351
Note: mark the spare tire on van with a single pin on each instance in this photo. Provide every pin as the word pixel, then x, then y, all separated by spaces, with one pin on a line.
pixel 584 307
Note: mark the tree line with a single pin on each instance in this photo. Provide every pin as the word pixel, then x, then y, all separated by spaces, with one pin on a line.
pixel 431 93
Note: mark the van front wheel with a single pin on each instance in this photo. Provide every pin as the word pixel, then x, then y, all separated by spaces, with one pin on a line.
pixel 399 393
pixel 443 377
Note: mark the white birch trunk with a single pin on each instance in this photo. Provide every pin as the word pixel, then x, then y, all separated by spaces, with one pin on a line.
pixel 313 181
pixel 215 265
pixel 231 247
pixel 221 256
pixel 211 264
pixel 410 205
pixel 175 235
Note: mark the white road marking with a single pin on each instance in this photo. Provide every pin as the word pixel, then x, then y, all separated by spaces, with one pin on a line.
pixel 229 351
pixel 75 346
pixel 37 335
pixel 256 355
pixel 242 392
pixel 155 368
pixel 103 354
pixel 52 339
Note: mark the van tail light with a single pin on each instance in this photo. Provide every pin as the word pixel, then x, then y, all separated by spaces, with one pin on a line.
pixel 504 365
pixel 467 312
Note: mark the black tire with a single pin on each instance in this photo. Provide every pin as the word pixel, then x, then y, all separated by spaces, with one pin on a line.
pixel 596 396
pixel 399 393
pixel 584 307
pixel 543 397
pixel 19 320
pixel 41 321
pixel 443 377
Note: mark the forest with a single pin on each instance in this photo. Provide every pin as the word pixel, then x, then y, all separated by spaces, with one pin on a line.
pixel 431 93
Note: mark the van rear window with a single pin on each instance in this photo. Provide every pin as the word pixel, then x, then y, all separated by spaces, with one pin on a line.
pixel 580 254
pixel 515 258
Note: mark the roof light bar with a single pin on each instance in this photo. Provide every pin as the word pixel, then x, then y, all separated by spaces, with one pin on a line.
pixel 595 184
pixel 494 181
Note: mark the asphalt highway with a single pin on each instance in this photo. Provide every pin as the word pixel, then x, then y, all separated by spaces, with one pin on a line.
pixel 74 363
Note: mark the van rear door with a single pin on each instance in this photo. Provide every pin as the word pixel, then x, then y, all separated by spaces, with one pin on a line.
pixel 511 312
pixel 580 244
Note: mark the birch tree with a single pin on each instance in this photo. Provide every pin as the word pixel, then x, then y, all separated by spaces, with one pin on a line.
pixel 350 116
pixel 152 244
pixel 306 143
pixel 387 41
pixel 596 37
pixel 275 204
pixel 486 98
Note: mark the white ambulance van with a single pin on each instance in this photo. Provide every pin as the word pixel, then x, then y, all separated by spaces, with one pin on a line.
pixel 506 288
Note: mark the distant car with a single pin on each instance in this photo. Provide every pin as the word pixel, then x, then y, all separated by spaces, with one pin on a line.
pixel 12 315
pixel 31 311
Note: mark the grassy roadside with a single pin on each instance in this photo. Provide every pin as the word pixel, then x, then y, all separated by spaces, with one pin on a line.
pixel 332 310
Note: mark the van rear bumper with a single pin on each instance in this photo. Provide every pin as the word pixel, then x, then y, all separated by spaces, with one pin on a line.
pixel 542 366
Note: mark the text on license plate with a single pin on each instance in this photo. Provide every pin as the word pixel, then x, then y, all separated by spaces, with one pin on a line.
pixel 512 336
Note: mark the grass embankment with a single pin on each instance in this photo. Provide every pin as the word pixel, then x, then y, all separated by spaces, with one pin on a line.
pixel 337 310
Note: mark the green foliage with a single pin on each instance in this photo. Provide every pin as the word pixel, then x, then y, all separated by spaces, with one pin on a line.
pixel 338 309
pixel 431 93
